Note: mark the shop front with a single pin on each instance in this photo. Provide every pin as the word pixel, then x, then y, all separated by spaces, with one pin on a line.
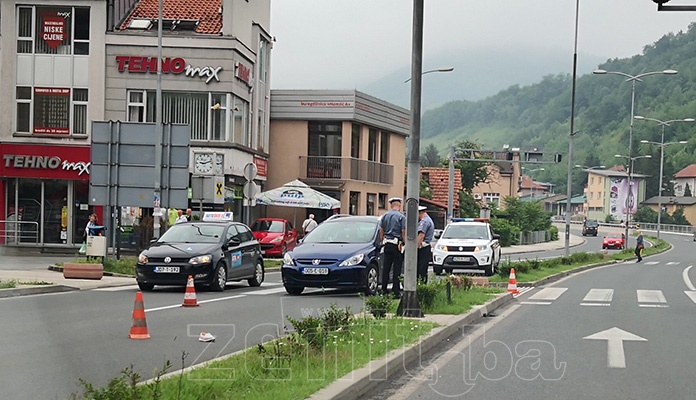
pixel 44 192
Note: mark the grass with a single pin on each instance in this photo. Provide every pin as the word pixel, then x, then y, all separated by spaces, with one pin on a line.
pixel 8 284
pixel 463 300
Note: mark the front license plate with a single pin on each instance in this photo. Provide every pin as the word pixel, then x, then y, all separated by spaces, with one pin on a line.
pixel 167 270
pixel 315 271
pixel 460 259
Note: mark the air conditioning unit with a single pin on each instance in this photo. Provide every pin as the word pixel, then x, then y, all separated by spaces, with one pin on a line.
pixel 477 196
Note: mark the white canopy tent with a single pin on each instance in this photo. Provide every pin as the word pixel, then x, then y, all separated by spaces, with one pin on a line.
pixel 297 194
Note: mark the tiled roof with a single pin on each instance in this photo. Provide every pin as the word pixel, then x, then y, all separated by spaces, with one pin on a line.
pixel 688 172
pixel 528 183
pixel 205 11
pixel 438 178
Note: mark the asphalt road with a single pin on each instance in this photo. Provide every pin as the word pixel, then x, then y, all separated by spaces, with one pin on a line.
pixel 622 331
pixel 49 341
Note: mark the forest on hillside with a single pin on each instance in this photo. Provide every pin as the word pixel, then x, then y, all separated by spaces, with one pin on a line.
pixel 538 115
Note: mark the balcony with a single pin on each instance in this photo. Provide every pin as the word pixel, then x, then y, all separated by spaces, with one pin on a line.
pixel 345 168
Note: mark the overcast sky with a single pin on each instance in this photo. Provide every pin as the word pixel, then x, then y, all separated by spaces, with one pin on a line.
pixel 346 44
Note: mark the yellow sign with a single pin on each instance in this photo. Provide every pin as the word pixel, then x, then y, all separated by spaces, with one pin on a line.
pixel 64 217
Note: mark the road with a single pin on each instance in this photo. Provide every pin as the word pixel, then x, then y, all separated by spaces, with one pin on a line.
pixel 617 332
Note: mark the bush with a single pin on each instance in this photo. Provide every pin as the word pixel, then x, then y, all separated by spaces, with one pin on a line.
pixel 552 234
pixel 310 329
pixel 377 305
pixel 427 292
pixel 509 233
pixel 460 282
pixel 333 318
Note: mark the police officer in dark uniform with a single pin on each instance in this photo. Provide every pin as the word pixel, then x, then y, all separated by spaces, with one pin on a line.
pixel 392 231
pixel 426 230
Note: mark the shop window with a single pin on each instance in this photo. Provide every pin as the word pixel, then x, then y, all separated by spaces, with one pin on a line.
pixel 53 30
pixel 51 110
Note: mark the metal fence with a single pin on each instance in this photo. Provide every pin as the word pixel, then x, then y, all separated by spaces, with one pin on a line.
pixel 533 237
pixel 16 232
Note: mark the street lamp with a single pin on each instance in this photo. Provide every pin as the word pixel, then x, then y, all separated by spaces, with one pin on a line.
pixel 629 203
pixel 441 69
pixel 633 79
pixel 662 145
pixel 589 168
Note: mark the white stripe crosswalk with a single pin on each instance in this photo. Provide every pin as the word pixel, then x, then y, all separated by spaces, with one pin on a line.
pixel 596 297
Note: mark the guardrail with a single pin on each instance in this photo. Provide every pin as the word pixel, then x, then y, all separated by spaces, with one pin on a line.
pixel 16 232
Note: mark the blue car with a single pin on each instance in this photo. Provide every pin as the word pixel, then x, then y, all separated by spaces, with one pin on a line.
pixel 341 252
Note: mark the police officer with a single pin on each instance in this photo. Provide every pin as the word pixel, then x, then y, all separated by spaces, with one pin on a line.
pixel 426 230
pixel 392 230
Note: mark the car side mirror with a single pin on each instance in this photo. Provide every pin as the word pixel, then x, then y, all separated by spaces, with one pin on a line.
pixel 496 236
pixel 234 242
pixel 437 235
pixel 153 240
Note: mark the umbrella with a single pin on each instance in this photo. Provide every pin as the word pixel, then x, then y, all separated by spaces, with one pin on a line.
pixel 297 194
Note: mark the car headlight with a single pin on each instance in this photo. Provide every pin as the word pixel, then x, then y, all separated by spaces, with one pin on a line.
pixel 352 260
pixel 287 260
pixel 441 247
pixel 482 247
pixel 277 240
pixel 204 259
pixel 142 258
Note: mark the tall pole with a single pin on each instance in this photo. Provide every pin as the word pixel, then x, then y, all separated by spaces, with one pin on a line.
pixel 158 122
pixel 569 191
pixel 450 187
pixel 409 305
pixel 659 193
pixel 629 203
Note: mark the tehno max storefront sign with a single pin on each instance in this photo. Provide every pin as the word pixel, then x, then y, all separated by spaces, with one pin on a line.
pixel 176 66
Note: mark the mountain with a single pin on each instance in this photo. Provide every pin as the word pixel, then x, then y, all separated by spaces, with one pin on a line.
pixel 538 114
pixel 478 73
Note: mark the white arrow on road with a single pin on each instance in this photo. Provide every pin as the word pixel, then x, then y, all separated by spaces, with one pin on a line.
pixel 615 350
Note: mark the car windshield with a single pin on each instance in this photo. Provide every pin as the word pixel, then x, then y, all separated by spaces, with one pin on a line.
pixel 192 233
pixel 343 231
pixel 268 226
pixel 591 224
pixel 615 235
pixel 465 232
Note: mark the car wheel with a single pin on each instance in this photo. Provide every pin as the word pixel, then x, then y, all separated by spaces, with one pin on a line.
pixel 259 274
pixel 371 281
pixel 437 270
pixel 490 269
pixel 220 278
pixel 146 287
pixel 294 290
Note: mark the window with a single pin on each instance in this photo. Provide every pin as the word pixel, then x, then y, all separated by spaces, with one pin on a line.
pixel 263 60
pixel 53 30
pixel 136 106
pixel 592 180
pixel 80 98
pixel 23 109
pixel 600 180
pixel 599 195
pixel 492 198
pixel 353 203
pixel 382 200
pixel 324 139
pixel 591 195
pixel 218 117
pixel 371 198
pixel 372 145
pixel 51 110
pixel 355 141
pixel 384 148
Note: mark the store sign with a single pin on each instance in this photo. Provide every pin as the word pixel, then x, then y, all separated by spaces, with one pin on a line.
pixel 242 73
pixel 261 166
pixel 37 161
pixel 52 110
pixel 53 30
pixel 170 65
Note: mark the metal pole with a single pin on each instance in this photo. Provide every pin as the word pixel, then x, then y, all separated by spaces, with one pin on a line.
pixel 409 305
pixel 158 119
pixel 630 160
pixel 569 191
pixel 659 193
pixel 450 188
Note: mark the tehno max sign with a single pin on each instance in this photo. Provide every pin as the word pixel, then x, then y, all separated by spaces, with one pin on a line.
pixel 169 66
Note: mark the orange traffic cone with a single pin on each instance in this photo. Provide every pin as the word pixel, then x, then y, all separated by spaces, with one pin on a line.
pixel 139 328
pixel 512 283
pixel 190 295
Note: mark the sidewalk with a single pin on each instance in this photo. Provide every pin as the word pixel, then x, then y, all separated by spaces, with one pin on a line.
pixel 31 266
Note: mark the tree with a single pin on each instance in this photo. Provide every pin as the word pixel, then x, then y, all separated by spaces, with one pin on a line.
pixel 468 207
pixel 430 157
pixel 678 217
pixel 687 191
pixel 424 190
pixel 646 214
pixel 473 172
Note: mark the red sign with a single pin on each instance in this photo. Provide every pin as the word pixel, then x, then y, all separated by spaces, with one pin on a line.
pixel 261 166
pixel 53 31
pixel 44 162
pixel 169 66
pixel 242 72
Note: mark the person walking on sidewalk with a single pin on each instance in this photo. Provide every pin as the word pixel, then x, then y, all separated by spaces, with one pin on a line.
pixel 639 244
pixel 392 230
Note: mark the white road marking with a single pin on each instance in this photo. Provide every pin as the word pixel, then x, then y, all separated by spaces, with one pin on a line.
pixel 687 281
pixel 602 295
pixel 673 263
pixel 651 262
pixel 692 295
pixel 268 291
pixel 653 305
pixel 523 290
pixel 615 350
pixel 596 304
pixel 200 302
pixel 116 288
pixel 551 293
pixel 650 296
pixel 537 303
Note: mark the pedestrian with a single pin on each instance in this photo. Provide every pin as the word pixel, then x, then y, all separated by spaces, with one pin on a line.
pixel 639 244
pixel 426 230
pixel 180 217
pixel 171 216
pixel 188 214
pixel 392 231
pixel 93 228
pixel 308 225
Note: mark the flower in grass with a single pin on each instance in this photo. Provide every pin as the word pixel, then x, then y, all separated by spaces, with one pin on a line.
pixel 339 329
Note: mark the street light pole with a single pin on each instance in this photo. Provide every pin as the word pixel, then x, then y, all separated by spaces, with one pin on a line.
pixel 572 133
pixel 632 79
pixel 450 187
pixel 629 203
pixel 441 69
pixel 662 144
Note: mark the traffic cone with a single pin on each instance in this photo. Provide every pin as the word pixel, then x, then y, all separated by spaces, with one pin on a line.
pixel 139 328
pixel 512 283
pixel 190 295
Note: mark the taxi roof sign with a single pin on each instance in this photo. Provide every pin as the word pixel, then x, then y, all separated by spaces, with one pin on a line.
pixel 216 216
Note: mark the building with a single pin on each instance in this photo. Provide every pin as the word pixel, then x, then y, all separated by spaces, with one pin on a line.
pixel 344 143
pixel 682 179
pixel 609 193
pixel 670 204
pixel 60 69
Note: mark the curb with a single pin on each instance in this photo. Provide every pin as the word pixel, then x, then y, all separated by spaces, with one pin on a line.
pixel 361 381
pixel 15 292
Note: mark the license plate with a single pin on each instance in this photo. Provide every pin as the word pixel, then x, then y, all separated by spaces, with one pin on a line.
pixel 167 270
pixel 315 271
pixel 263 252
pixel 460 259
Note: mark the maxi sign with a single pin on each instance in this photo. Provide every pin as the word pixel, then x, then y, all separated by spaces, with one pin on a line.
pixel 169 66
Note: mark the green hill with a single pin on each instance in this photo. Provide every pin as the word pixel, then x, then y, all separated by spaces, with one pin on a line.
pixel 538 115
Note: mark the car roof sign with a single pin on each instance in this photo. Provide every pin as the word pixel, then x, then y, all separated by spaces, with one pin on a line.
pixel 215 216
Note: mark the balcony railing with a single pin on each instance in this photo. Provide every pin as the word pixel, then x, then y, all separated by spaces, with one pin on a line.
pixel 345 168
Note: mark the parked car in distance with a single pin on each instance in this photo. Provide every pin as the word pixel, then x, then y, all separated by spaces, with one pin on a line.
pixel 214 251
pixel 614 240
pixel 339 253
pixel 590 227
pixel 276 236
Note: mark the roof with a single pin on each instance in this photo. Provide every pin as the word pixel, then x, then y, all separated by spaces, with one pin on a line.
pixel 688 172
pixel 207 12
pixel 438 179
pixel 528 183
pixel 667 200
pixel 613 171
pixel 578 199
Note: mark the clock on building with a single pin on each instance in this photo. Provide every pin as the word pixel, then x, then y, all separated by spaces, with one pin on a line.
pixel 203 163
pixel 219 164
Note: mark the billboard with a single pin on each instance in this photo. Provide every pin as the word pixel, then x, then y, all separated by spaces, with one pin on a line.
pixel 622 198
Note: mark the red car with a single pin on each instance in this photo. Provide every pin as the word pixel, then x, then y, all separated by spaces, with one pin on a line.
pixel 614 240
pixel 276 236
